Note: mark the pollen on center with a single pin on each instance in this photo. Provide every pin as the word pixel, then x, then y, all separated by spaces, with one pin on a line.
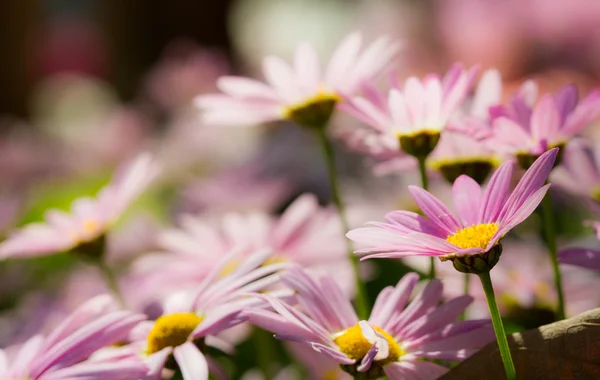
pixel 476 236
pixel 353 343
pixel 171 330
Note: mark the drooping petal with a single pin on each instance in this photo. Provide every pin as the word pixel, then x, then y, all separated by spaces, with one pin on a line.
pixel 191 362
pixel 583 257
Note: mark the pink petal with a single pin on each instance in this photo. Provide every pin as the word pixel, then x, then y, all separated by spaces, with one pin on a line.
pixel 435 210
pixel 306 65
pixel 532 180
pixel 414 94
pixel 191 362
pixel 587 111
pixel 496 193
pixel 545 120
pixel 583 257
pixel 245 88
pixel 342 59
pixel 467 198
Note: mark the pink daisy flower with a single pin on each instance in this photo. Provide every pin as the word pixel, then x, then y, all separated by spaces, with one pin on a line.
pixel 416 114
pixel 65 353
pixel 90 218
pixel 300 92
pixel 471 240
pixel 190 317
pixel 398 339
pixel 305 233
pixel 459 153
pixel 526 129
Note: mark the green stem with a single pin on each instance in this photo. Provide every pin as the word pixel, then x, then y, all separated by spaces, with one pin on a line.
pixel 467 277
pixel 425 185
pixel 509 367
pixel 550 234
pixel 111 281
pixel 266 352
pixel 362 305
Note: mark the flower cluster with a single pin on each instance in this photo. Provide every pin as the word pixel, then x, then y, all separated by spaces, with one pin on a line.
pixel 208 242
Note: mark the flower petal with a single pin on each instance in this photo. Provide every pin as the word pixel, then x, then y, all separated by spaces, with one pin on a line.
pixel 191 362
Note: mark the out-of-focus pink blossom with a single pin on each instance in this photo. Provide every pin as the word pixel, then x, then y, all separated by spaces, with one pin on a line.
pixel 246 101
pixel 90 219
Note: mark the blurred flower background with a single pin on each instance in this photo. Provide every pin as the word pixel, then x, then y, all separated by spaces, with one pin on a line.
pixel 88 85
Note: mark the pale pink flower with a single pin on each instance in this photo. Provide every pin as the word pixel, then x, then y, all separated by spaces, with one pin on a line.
pixel 65 352
pixel 418 107
pixel 305 233
pixel 399 339
pixel 484 217
pixel 291 87
pixel 213 306
pixel 525 127
pixel 90 218
pixel 460 153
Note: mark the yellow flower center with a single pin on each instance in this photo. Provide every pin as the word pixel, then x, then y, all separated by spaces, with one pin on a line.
pixel 87 231
pixel 476 236
pixel 353 343
pixel 313 112
pixel 171 330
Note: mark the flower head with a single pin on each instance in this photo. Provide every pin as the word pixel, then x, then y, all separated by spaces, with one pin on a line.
pixel 458 153
pixel 213 306
pixel 470 240
pixel 305 233
pixel 90 219
pixel 300 92
pixel 65 353
pixel 398 340
pixel 416 114
pixel 526 129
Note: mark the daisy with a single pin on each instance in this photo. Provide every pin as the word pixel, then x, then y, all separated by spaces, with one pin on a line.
pixel 416 114
pixel 399 340
pixel 305 233
pixel 527 129
pixel 471 241
pixel 65 353
pixel 459 153
pixel 299 92
pixel 189 318
pixel 84 229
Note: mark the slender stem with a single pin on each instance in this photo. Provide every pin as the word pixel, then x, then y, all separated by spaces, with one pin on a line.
pixel 425 185
pixel 111 281
pixel 550 234
pixel 509 367
pixel 467 277
pixel 362 306
pixel 267 351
